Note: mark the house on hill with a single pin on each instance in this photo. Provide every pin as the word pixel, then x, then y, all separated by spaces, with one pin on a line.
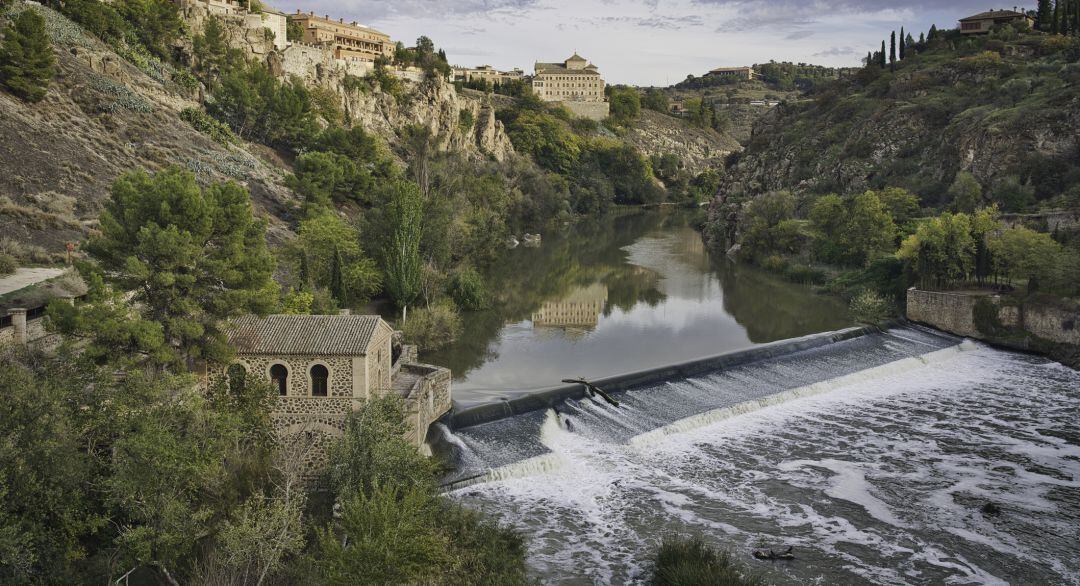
pixel 325 366
pixel 575 83
pixel 980 24
pixel 746 73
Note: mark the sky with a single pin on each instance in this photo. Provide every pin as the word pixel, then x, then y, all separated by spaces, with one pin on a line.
pixel 649 42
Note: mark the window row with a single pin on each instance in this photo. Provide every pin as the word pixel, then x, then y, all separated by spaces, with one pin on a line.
pixel 318 374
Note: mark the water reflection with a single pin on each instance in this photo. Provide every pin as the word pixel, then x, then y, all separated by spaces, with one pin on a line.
pixel 627 292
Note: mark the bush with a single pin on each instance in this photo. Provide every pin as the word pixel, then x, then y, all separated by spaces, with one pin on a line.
pixel 8 264
pixel 468 290
pixel 201 121
pixel 27 64
pixel 434 327
pixel 692 562
pixel 870 307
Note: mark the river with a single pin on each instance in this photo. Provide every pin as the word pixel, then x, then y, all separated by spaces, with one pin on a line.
pixel 632 290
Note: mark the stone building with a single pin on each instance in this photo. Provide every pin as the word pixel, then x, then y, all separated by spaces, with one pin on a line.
pixel 349 41
pixel 487 73
pixel 980 24
pixel 746 73
pixel 575 83
pixel 325 366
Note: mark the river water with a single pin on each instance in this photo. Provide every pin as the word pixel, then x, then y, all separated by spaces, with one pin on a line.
pixel 876 474
pixel 629 291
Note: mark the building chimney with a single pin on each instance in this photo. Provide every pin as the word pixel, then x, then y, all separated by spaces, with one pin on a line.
pixel 18 324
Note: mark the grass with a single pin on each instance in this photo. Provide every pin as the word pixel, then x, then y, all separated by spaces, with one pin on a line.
pixel 689 561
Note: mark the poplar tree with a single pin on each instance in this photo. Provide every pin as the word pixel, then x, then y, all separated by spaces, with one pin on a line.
pixel 27 63
pixel 337 282
pixel 403 262
pixel 892 51
pixel 903 46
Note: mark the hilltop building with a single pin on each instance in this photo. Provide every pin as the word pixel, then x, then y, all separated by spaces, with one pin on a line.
pixel 980 24
pixel 747 73
pixel 322 367
pixel 575 83
pixel 486 72
pixel 349 41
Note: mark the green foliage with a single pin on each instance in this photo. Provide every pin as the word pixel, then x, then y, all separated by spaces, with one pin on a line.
pixel 870 307
pixel 683 561
pixel 8 264
pixel 656 100
pixel 625 105
pixel 468 290
pixel 329 246
pixel 433 327
pixel 402 256
pixel 965 192
pixel 941 251
pixel 466 120
pixel 259 107
pixel 1023 254
pixel 192 256
pixel 393 527
pixel 767 225
pixel 202 122
pixel 27 64
pixel 294 31
pixel 323 178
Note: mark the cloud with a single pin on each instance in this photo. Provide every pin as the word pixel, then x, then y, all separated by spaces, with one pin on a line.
pixel 799 35
pixel 670 23
pixel 835 52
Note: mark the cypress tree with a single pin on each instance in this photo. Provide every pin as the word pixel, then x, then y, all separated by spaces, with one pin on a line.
pixel 1044 15
pixel 27 63
pixel 881 56
pixel 869 58
pixel 337 283
pixel 922 39
pixel 305 273
pixel 1076 18
pixel 1055 21
pixel 933 33
pixel 903 45
pixel 892 51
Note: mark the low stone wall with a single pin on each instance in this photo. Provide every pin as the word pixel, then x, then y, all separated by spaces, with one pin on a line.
pixel 590 110
pixel 1034 324
pixel 428 400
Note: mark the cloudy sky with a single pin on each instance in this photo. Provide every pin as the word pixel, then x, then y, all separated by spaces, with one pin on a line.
pixel 648 42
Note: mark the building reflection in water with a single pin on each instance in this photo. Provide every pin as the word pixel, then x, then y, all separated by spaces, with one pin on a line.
pixel 581 308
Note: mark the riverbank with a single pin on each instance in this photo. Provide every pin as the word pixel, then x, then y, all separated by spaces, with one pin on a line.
pixel 1042 324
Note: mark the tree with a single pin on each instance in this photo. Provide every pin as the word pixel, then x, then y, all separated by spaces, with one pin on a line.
pixel 294 31
pixel 27 64
pixel 901 203
pixel 881 56
pixel 941 251
pixel 903 44
pixel 965 192
pixel 402 258
pixel 625 105
pixel 655 100
pixel 909 46
pixel 767 225
pixel 892 51
pixel 930 36
pixel 191 256
pixel 1056 21
pixel 1021 253
pixel 869 229
pixel 1044 15
pixel 329 248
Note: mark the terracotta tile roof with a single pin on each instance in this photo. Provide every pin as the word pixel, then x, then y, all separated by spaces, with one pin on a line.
pixel 326 335
pixel 994 14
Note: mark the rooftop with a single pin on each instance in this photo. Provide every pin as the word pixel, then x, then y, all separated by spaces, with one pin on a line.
pixel 326 335
pixel 994 14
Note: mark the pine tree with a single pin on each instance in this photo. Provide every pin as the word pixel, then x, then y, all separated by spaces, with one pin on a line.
pixel 1044 15
pixel 892 51
pixel 27 63
pixel 903 47
pixel 881 56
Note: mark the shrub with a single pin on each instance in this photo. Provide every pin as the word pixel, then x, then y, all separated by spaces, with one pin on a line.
pixel 7 264
pixel 434 327
pixel 465 120
pixel 870 307
pixel 468 290
pixel 201 121
pixel 27 64
pixel 692 562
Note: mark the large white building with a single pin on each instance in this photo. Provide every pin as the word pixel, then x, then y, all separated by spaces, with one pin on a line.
pixel 575 83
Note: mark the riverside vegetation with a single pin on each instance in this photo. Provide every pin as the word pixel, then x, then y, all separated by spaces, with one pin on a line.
pixel 863 187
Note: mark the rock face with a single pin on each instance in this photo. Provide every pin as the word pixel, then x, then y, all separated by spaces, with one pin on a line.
pixel 103 117
pixel 654 133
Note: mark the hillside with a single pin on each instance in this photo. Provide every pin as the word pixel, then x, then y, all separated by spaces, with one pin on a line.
pixel 700 149
pixel 1007 111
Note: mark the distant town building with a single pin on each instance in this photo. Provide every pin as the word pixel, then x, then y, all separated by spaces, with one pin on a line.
pixel 581 307
pixel 349 41
pixel 734 72
pixel 575 83
pixel 980 24
pixel 487 73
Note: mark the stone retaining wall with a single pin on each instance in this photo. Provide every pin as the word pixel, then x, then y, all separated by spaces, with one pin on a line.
pixel 592 110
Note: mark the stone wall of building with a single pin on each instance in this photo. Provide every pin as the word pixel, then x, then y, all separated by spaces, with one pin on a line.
pixel 590 110
pixel 429 400
pixel 298 382
pixel 1034 324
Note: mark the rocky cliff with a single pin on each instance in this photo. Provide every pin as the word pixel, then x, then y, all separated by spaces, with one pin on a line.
pixel 1006 112
pixel 700 149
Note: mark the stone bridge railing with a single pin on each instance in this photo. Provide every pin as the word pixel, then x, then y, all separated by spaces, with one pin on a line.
pixel 427 400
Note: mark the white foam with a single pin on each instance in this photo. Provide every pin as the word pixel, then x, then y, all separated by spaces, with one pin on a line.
pixel 825 386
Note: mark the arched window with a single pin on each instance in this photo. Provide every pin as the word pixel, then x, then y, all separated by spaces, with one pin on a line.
pixel 319 380
pixel 279 377
pixel 237 378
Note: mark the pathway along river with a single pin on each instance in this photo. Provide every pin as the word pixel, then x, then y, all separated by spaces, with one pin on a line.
pixel 630 291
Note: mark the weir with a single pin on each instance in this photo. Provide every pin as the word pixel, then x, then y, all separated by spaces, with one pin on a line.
pixel 507 438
